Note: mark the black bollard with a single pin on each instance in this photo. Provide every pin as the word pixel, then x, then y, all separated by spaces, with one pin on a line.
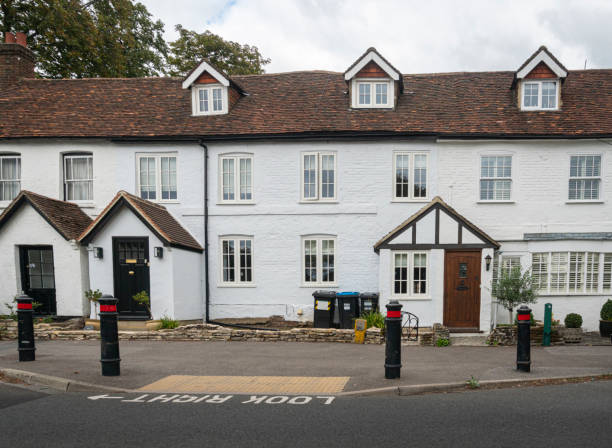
pixel 25 329
pixel 109 336
pixel 393 351
pixel 523 346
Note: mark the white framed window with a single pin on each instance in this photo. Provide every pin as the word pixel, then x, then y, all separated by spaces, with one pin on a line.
pixel 209 99
pixel 572 272
pixel 410 176
pixel 78 177
pixel 410 274
pixel 318 260
pixel 10 176
pixel 540 95
pixel 507 265
pixel 372 93
pixel 319 181
pixel 157 177
pixel 585 178
pixel 236 254
pixel 236 178
pixel 495 178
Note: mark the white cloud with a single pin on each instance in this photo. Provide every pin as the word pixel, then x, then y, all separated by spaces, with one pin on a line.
pixel 415 36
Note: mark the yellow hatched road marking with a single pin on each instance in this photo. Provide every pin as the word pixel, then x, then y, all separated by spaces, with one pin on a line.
pixel 290 385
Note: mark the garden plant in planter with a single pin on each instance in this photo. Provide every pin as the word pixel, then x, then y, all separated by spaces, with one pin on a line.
pixel 605 324
pixel 573 328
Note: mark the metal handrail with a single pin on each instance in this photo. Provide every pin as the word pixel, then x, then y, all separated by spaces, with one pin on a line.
pixel 410 321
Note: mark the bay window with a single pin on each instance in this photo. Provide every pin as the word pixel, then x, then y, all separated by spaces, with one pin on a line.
pixel 560 273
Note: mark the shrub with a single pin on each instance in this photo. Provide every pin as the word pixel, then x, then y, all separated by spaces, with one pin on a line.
pixel 442 342
pixel 143 298
pixel 573 320
pixel 168 323
pixel 606 310
pixel 374 319
pixel 93 296
pixel 532 320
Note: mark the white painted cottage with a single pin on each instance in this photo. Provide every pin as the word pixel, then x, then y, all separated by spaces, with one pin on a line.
pixel 289 180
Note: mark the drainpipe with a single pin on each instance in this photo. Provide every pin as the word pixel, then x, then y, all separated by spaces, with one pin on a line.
pixel 206 277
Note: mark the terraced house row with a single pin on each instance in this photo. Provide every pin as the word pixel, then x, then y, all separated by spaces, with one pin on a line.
pixel 239 196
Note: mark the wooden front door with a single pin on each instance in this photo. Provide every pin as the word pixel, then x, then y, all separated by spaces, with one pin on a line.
pixel 131 275
pixel 38 277
pixel 462 290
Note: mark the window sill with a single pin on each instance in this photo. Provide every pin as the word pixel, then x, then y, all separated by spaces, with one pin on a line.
pixel 83 204
pixel 573 294
pixel 411 298
pixel 586 201
pixel 236 285
pixel 163 202
pixel 496 202
pixel 419 200
pixel 319 285
pixel 319 202
pixel 236 203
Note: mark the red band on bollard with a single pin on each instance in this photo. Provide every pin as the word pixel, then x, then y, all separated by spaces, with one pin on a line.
pixel 523 317
pixel 394 314
pixel 24 306
pixel 108 308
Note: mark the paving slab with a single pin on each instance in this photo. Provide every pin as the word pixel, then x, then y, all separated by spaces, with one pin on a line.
pixel 145 362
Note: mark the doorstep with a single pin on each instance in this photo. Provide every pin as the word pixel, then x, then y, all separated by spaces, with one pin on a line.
pixel 468 339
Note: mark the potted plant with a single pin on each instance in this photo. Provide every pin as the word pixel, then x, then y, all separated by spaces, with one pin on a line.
pixel 93 322
pixel 514 288
pixel 605 324
pixel 573 328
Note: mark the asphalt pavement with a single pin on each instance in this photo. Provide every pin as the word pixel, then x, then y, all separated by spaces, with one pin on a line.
pixel 572 415
pixel 144 362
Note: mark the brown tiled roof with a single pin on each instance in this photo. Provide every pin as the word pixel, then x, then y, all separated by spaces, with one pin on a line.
pixel 65 217
pixel 479 104
pixel 156 217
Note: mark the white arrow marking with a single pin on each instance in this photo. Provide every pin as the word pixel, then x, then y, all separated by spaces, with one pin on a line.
pixel 99 397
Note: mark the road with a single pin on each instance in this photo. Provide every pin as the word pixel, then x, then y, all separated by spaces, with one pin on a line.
pixel 569 415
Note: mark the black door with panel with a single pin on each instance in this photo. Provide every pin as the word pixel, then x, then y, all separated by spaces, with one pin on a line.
pixel 131 275
pixel 38 277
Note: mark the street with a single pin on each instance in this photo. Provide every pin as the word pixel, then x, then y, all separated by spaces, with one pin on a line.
pixel 568 415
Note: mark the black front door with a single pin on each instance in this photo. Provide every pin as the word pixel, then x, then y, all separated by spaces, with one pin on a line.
pixel 38 277
pixel 131 274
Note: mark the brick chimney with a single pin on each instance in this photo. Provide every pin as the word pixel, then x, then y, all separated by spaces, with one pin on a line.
pixel 16 59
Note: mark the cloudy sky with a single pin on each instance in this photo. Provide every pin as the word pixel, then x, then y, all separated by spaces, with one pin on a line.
pixel 415 36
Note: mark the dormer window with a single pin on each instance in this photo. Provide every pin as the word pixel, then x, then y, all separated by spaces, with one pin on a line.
pixel 539 81
pixel 373 93
pixel 539 95
pixel 211 99
pixel 210 90
pixel 373 82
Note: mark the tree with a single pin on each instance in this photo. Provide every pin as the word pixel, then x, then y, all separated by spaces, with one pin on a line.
pixel 76 38
pixel 233 58
pixel 514 288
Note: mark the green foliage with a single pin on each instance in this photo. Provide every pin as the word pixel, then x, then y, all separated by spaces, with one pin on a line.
pixel 93 296
pixel 573 320
pixel 167 322
pixel 606 310
pixel 143 298
pixel 532 320
pixel 374 319
pixel 233 58
pixel 442 342
pixel 46 320
pixel 12 314
pixel 472 383
pixel 514 288
pixel 79 38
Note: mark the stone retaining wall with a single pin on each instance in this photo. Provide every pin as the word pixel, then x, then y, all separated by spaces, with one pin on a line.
pixel 506 335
